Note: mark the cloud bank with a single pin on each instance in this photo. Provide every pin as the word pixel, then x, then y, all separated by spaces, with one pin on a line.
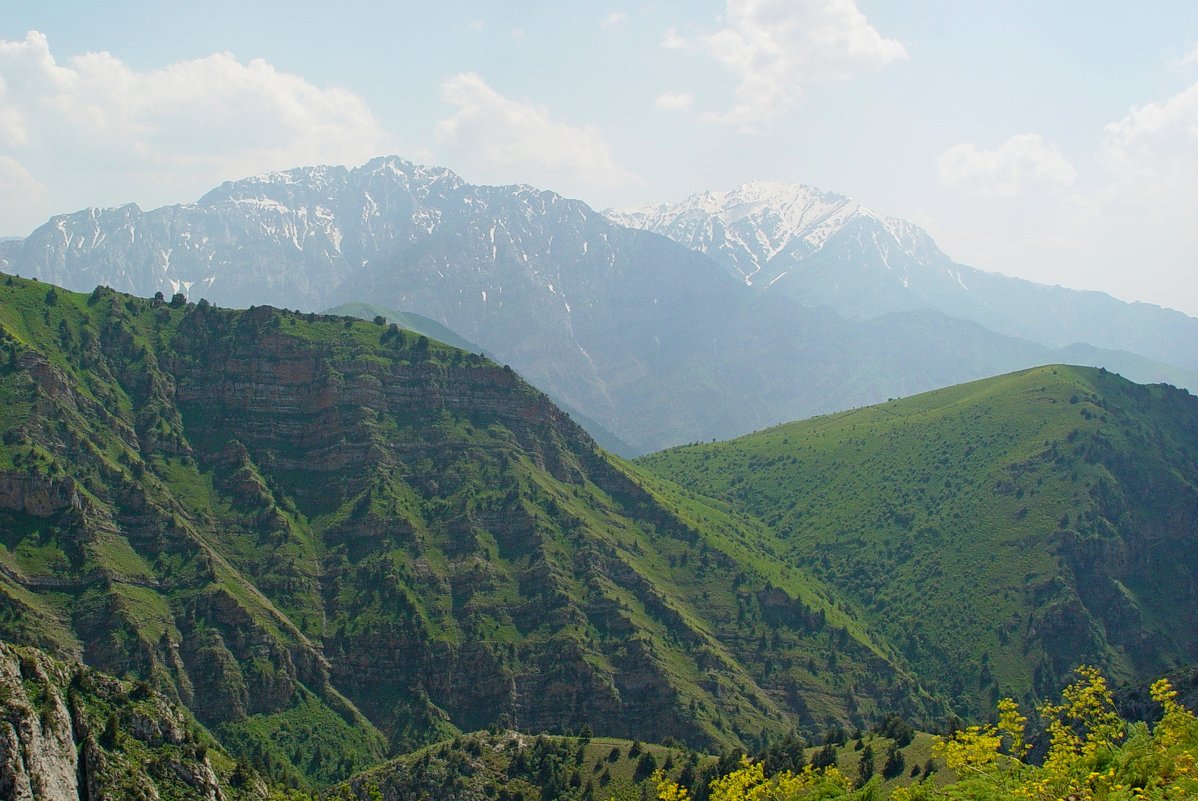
pixel 1025 162
pixel 84 128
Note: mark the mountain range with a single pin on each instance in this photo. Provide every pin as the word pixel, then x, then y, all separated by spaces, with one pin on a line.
pixel 826 249
pixel 779 303
pixel 336 540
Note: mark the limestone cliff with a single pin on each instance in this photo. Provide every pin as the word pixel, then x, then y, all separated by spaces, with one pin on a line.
pixel 68 733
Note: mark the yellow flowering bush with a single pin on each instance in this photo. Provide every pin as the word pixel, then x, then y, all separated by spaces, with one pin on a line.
pixel 1093 754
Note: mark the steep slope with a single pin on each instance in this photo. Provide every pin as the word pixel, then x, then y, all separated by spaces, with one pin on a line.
pixel 826 249
pixel 333 539
pixel 998 532
pixel 70 733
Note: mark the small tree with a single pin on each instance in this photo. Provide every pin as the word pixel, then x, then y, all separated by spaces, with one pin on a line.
pixel 865 767
pixel 645 766
pixel 894 763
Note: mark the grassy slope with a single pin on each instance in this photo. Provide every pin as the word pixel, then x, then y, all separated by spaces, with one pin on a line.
pixel 974 525
pixel 511 765
pixel 410 321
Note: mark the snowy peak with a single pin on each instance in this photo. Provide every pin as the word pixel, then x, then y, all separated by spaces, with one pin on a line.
pixel 762 229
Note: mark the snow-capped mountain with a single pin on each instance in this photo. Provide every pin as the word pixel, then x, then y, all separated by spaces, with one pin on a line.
pixel 825 249
pixel 763 230
pixel 653 341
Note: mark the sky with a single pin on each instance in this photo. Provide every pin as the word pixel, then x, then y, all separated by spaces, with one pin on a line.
pixel 1055 141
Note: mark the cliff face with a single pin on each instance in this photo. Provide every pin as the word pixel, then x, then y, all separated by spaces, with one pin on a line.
pixel 68 733
pixel 333 539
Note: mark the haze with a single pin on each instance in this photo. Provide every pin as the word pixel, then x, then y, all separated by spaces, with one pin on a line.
pixel 1056 142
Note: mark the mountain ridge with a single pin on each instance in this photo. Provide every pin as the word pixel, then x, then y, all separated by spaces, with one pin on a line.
pixel 646 338
pixel 865 264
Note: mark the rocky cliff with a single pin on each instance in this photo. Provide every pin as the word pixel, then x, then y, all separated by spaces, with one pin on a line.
pixel 68 733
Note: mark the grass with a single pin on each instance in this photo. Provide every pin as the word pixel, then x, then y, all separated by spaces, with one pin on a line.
pixel 942 517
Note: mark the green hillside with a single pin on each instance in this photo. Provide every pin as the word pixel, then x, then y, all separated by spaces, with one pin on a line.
pixel 515 766
pixel 337 541
pixel 999 532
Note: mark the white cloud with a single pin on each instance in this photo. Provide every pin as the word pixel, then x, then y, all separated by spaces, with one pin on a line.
pixel 505 140
pixel 671 40
pixel 95 127
pixel 1123 223
pixel 1150 159
pixel 21 191
pixel 673 101
pixel 613 19
pixel 1156 143
pixel 776 46
pixel 1025 162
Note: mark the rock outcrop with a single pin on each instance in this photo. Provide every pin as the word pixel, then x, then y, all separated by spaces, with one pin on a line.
pixel 68 733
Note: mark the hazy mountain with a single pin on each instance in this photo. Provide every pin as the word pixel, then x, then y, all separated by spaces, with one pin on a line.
pixel 826 249
pixel 643 338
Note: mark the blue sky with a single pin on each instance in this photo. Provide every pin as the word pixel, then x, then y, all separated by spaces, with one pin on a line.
pixel 1056 141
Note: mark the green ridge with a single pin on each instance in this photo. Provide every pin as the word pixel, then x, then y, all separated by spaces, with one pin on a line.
pixel 997 533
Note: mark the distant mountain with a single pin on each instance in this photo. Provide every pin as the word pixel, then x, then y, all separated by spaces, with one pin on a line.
pixel 1000 532
pixel 335 540
pixel 639 336
pixel 826 249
